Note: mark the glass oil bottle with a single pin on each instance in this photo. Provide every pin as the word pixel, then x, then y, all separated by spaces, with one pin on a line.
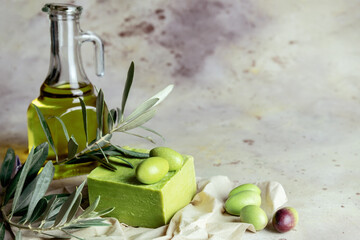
pixel 65 83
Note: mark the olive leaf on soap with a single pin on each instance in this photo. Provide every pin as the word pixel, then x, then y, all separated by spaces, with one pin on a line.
pixel 25 206
pixel 101 148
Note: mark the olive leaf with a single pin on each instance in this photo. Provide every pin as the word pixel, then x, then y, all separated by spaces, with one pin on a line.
pixel 72 147
pixel 7 167
pixel 91 208
pixel 101 213
pixel 145 106
pixel 66 207
pixel 88 223
pixel 46 129
pixel 100 112
pixel 105 157
pixel 163 94
pixel 120 160
pixel 106 164
pixel 58 237
pixel 34 191
pixel 25 197
pixel 152 131
pixel 84 115
pixel 110 150
pixel 151 102
pixel 38 211
pixel 71 235
pixel 43 181
pixel 140 120
pixel 54 210
pixel 20 183
pixel 103 163
pixel 111 121
pixel 74 208
pixel 128 83
pixel 117 116
pixel 39 155
pixel 140 136
pixel 49 207
pixel 131 153
pixel 63 127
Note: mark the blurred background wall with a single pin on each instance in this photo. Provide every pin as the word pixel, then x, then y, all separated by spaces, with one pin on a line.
pixel 278 75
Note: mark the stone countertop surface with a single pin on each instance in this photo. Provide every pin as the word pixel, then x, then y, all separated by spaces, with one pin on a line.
pixel 264 90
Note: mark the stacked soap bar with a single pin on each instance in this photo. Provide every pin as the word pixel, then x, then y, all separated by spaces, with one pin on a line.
pixel 138 204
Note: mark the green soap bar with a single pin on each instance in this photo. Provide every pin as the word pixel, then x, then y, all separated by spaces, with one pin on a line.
pixel 138 204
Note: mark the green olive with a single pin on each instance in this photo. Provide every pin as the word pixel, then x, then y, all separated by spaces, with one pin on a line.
pixel 174 158
pixel 236 202
pixel 254 215
pixel 244 187
pixel 152 170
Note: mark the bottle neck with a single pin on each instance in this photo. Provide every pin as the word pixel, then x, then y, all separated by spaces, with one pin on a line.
pixel 66 70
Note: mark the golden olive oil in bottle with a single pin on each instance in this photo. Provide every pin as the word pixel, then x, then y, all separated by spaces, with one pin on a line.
pixel 65 83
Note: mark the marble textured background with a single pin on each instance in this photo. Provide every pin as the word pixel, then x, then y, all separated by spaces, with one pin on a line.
pixel 264 90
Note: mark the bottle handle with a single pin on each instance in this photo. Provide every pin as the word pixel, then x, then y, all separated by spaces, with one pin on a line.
pixel 99 50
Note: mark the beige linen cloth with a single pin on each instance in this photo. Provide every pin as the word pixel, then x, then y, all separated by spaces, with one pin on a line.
pixel 204 218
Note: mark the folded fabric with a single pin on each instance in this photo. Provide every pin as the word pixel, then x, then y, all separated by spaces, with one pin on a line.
pixel 204 218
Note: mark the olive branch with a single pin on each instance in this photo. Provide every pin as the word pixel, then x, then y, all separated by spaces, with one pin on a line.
pixel 101 149
pixel 23 202
pixel 25 206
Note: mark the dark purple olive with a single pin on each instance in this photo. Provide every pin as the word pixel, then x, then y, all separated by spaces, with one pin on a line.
pixel 285 219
